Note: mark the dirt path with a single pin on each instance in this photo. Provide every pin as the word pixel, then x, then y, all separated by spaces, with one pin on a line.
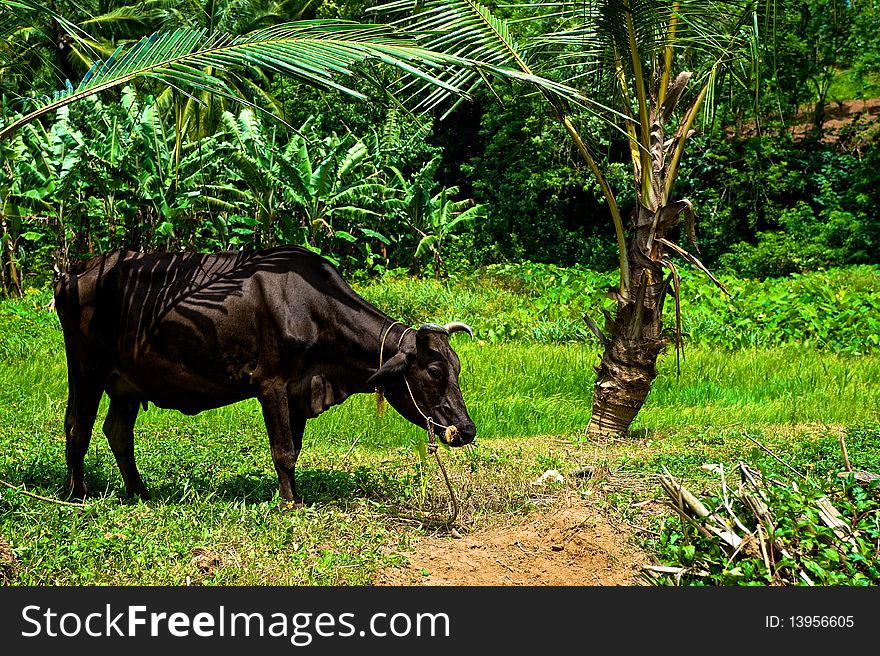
pixel 571 543
pixel 839 116
pixel 850 125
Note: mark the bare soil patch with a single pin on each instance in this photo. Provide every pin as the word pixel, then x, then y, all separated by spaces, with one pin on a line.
pixel 569 543
pixel 850 124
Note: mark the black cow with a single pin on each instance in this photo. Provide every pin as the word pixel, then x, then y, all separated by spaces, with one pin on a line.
pixel 195 331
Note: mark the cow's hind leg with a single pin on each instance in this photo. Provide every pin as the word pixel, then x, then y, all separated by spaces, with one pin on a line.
pixel 119 429
pixel 285 430
pixel 83 398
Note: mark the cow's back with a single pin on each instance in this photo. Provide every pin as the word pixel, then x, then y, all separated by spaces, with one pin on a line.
pixel 193 330
pixel 126 285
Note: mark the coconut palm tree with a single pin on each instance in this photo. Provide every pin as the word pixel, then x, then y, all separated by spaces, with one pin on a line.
pixel 649 67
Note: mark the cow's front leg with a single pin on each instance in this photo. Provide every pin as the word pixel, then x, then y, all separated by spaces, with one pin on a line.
pixel 119 429
pixel 285 428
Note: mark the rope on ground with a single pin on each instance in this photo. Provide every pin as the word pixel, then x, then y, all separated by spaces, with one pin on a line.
pixel 21 489
pixel 434 521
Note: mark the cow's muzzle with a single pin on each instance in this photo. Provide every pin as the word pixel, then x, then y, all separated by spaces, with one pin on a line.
pixel 453 436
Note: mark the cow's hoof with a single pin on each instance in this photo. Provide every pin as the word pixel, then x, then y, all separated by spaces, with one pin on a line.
pixel 290 505
pixel 77 492
pixel 139 494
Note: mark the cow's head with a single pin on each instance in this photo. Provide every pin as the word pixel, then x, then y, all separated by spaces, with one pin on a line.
pixel 421 381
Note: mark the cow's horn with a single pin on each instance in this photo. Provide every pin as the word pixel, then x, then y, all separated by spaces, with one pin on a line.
pixel 456 326
pixel 433 328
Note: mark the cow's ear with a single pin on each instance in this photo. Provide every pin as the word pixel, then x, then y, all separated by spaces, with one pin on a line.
pixel 394 367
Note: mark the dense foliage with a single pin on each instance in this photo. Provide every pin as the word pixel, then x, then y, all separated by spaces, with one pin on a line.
pixel 376 189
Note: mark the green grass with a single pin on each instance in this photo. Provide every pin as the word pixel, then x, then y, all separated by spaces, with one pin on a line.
pixel 214 517
pixel 767 386
pixel 844 88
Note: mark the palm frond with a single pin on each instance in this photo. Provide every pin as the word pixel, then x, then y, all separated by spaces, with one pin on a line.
pixel 589 33
pixel 320 53
pixel 129 15
pixel 469 29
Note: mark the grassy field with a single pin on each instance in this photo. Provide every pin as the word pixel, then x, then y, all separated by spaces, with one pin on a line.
pixel 806 366
pixel 214 517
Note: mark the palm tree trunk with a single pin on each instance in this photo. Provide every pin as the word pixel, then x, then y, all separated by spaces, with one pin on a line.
pixel 635 337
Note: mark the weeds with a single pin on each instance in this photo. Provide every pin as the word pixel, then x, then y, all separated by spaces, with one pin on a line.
pixel 795 544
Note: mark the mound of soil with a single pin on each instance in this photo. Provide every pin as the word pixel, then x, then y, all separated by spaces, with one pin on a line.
pixel 571 543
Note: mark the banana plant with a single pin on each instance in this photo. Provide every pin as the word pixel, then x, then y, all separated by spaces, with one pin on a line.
pixel 337 188
pixel 110 179
pixel 323 192
pixel 177 181
pixel 12 224
pixel 41 184
pixel 434 217
pixel 443 217
pixel 151 192
pixel 253 158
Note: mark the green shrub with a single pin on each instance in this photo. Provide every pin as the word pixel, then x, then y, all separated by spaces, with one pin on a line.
pixel 836 310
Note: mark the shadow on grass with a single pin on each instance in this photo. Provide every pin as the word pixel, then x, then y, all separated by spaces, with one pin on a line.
pixel 45 478
pixel 315 486
pixel 51 482
pixel 48 477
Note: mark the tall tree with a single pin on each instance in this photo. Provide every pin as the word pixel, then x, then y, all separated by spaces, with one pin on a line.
pixel 647 66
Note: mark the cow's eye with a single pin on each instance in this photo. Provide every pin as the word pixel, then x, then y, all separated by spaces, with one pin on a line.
pixel 436 373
